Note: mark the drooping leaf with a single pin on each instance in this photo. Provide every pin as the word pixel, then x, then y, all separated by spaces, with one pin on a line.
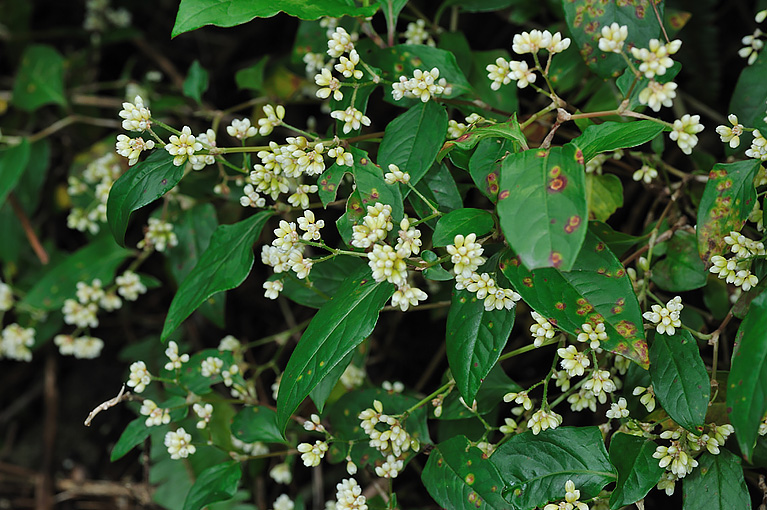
pixel 337 328
pixel 196 82
pixel 536 468
pixel 412 140
pixel 475 339
pixel 217 483
pixel 610 136
pixel 604 194
pixel 438 187
pixel 257 423
pixel 193 14
pixel 727 201
pixel 224 265
pixel 679 379
pixel 638 470
pixel 142 184
pixel 618 242
pixel 461 221
pixel 508 130
pixel 585 27
pixel 747 382
pixel 100 259
pixel 134 434
pixel 716 484
pixel 13 162
pixel 457 475
pixel 40 78
pixel 682 269
pixel 596 289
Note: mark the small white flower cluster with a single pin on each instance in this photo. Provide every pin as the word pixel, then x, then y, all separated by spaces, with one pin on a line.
pixel 753 44
pixel 311 455
pixel 283 502
pixel 179 444
pixel 349 496
pixel 97 180
pixel 99 16
pixel 254 449
pixel 666 318
pixel 572 495
pixel 241 129
pixel 758 149
pixel 208 141
pixel 424 85
pixel 416 33
pixel 456 129
pixel 542 330
pixel 504 71
pixel 594 334
pixel 281 473
pixel 542 420
pixel 731 135
pixel 684 132
pixel 351 117
pixel 175 361
pixel 273 118
pixel 736 270
pixel 82 347
pixel 465 254
pixel 485 287
pixel 618 409
pixel 139 376
pixel 395 175
pixel 211 366
pixel 136 117
pixel 156 415
pixel 129 285
pixel 16 341
pixel 340 44
pixel 183 146
pixel 287 252
pixel 131 148
pixel 204 412
pixel 646 173
pixel 392 442
pixel 158 235
pixel 6 297
pixel 573 361
pixel 353 377
pixel 648 397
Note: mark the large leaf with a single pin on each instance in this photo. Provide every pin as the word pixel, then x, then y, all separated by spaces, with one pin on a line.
pixel 193 14
pixel 217 483
pixel 716 484
pixel 585 27
pixel 134 434
pixel 224 265
pixel 679 379
pixel 462 221
pixel 257 423
pixel 750 95
pixel 542 205
pixel 508 130
pixel 40 78
pixel 100 259
pixel 596 289
pixel 727 201
pixel 747 382
pixel 337 328
pixel 13 162
pixel 611 136
pixel 457 475
pixel 321 284
pixel 475 340
pixel 638 471
pixel 536 468
pixel 412 140
pixel 681 269
pixel 142 184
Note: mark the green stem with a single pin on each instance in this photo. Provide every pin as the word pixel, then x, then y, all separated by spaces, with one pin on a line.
pixel 431 206
pixel 429 398
pixel 528 348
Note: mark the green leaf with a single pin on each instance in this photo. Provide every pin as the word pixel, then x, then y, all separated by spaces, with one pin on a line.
pixel 604 195
pixel 252 78
pixel 485 164
pixel 457 475
pixel 337 328
pixel 438 187
pixel 412 140
pixel 321 284
pixel 716 484
pixel 13 162
pixel 142 184
pixel 508 130
pixel 40 78
pixel 747 382
pixel 638 471
pixel 536 468
pixel 193 14
pixel 196 82
pixel 748 98
pixel 29 188
pixel 369 179
pixel 217 483
pixel 681 269
pixel 542 205
pixel 492 390
pixel 224 265
pixel 99 259
pixel 610 136
pixel 329 182
pixel 462 221
pixel 194 229
pixel 618 242
pixel 324 389
pixel 134 434
pixel 585 27
pixel 391 10
pixel 597 288
pixel 727 201
pixel 258 423
pixel 437 272
pixel 679 379
pixel 475 339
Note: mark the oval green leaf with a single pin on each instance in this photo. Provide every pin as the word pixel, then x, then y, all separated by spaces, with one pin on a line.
pixel 258 423
pixel 638 470
pixel 610 136
pixel 196 82
pixel 216 483
pixel 716 484
pixel 134 434
pixel 604 194
pixel 462 221
pixel 40 78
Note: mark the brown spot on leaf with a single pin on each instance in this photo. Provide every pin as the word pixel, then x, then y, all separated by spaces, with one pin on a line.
pixel 555 258
pixel 503 195
pixel 557 184
pixel 572 224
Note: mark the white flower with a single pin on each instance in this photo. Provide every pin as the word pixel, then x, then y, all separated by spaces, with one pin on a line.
pixel 314 62
pixel 347 66
pixel 456 129
pixel 522 73
pixel 132 148
pixel 409 238
pixel 156 415
pixel 65 343
pixel 600 384
pixel 584 399
pixel 80 315
pixel 204 413
pixel 211 366
pixel 531 42
pixel 542 420
pixel 229 343
pixel 558 44
pixel 179 444
pixel 353 377
pixel 286 236
pixel 396 175
pixel 301 197
pixel 406 296
pixel 273 119
pixel 648 397
pixel 613 37
pixel 87 347
pixel 349 496
pixel 314 423
pixel 390 468
pixel 281 473
pixel 387 264
pixel 618 410
pixel 666 319
pixel 416 33
pixel 311 455
pixel 129 285
pixel 139 376
pixel 328 84
pixel 241 129
pixel 283 503
pixel 310 226
pixel 16 341
pixel 251 198
pixel 753 44
pixel 655 60
pixel 175 360
pixel 110 302
pixel 351 117
pixel 375 226
pixel 732 134
pixel 684 132
pixel 272 288
pixel 89 293
pixel 657 94
pixel 342 157
pixel 465 254
pixel 519 398
pixel 593 334
pixel 500 299
pixel 182 146
pixel 574 362
pixel 136 116
pixel 423 85
pixel 500 74
pixel 158 235
pixel 646 174
pixel 340 42
pixel 758 149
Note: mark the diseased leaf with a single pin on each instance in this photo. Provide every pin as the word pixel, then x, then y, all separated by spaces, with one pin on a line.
pixel 638 470
pixel 40 78
pixel 485 165
pixel 610 136
pixel 458 476
pixel 329 182
pixel 716 484
pixel 596 289
pixel 13 162
pixel 681 269
pixel 142 184
pixel 461 221
pixel 337 328
pixel 542 205
pixel 217 483
pixel 224 265
pixel 618 242
pixel 679 379
pixel 508 130
pixel 369 179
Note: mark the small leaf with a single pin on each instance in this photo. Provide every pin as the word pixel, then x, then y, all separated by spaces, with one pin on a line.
pixel 679 379
pixel 437 272
pixel 462 221
pixel 727 201
pixel 13 162
pixel 716 484
pixel 597 289
pixel 252 78
pixel 475 339
pixel 617 242
pixel 329 182
pixel 508 130
pixel 337 328
pixel 747 382
pixel 258 423
pixel 391 10
pixel 196 82
pixel 610 136
pixel 134 434
pixel 193 14
pixel 681 270
pixel 536 468
pixel 485 165
pixel 457 475
pixel 638 470
pixel 369 179
pixel 141 185
pixel 224 265
pixel 542 205
pixel 40 78
pixel 216 483
pixel 604 194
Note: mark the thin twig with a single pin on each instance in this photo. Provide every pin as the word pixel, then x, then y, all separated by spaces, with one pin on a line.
pixel 28 230
pixel 107 404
